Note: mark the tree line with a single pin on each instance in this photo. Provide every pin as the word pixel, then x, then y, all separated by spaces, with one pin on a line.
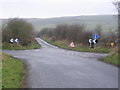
pixel 78 33
pixel 21 29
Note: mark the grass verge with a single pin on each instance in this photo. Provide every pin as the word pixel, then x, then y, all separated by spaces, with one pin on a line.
pixel 13 72
pixel 113 57
pixel 0 70
pixel 8 46
pixel 79 47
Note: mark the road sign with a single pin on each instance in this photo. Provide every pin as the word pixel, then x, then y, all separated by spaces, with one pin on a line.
pixel 72 44
pixel 95 36
pixel 90 41
pixel 112 44
pixel 16 40
pixel 12 40
pixel 94 40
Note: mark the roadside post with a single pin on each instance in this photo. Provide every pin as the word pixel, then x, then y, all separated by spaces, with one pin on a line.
pixel 95 42
pixel 91 43
pixel 95 37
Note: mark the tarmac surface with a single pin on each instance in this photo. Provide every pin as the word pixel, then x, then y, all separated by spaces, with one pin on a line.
pixel 53 67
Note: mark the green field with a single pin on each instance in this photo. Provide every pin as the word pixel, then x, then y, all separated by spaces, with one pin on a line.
pixel 106 21
pixel 13 72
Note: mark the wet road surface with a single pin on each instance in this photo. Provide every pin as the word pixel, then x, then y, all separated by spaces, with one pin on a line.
pixel 52 67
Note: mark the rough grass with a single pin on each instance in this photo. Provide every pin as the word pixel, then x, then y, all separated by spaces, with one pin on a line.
pixel 8 46
pixel 113 57
pixel 12 72
pixel 0 70
pixel 79 47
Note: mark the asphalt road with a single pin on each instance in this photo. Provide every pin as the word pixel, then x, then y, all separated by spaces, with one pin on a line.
pixel 52 67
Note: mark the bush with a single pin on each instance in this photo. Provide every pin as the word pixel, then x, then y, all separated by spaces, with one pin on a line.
pixel 17 28
pixel 78 33
pixel 75 32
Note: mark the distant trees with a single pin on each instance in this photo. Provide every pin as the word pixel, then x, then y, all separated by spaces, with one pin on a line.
pixel 117 5
pixel 17 28
pixel 79 34
pixel 0 37
pixel 98 30
pixel 75 32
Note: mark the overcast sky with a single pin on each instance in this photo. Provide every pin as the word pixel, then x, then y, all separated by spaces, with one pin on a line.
pixel 54 8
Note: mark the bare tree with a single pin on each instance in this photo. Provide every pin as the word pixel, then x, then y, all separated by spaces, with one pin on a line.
pixel 98 30
pixel 74 32
pixel 117 5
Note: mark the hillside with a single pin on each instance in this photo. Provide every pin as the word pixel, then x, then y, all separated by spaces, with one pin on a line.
pixel 107 21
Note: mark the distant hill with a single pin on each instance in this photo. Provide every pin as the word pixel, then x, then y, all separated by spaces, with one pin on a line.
pixel 107 21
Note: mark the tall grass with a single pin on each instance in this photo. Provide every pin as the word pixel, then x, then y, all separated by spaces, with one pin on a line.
pixel 12 72
pixel 79 47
